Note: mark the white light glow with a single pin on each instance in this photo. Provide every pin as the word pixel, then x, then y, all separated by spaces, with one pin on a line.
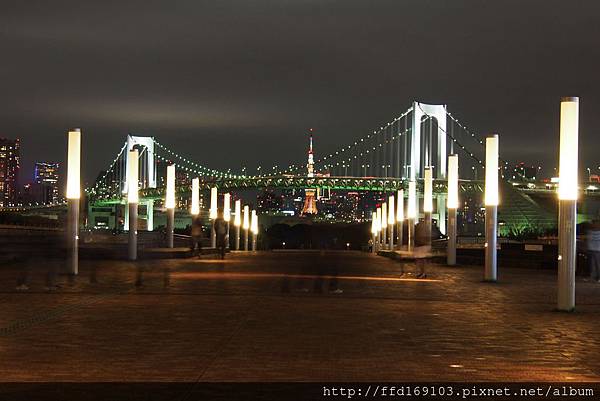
pixel 384 214
pixel 246 223
pixel 227 207
pixel 132 176
pixel 491 170
pixel 254 222
pixel 412 200
pixel 400 206
pixel 213 203
pixel 237 220
pixel 374 222
pixel 170 196
pixel 569 133
pixel 378 218
pixel 453 182
pixel 195 196
pixel 428 191
pixel 391 210
pixel 74 165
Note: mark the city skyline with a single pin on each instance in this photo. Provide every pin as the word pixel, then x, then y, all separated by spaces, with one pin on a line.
pixel 255 89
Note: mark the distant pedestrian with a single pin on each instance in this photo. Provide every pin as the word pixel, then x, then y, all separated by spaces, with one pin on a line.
pixel 221 228
pixel 593 248
pixel 196 236
pixel 422 251
pixel 370 245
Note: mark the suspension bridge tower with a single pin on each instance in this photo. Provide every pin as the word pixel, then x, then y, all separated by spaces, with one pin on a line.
pixel 310 199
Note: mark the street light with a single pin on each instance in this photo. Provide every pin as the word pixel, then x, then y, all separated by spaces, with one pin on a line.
pixel 237 222
pixel 400 217
pixel 170 204
pixel 212 215
pixel 254 229
pixel 411 214
pixel 374 230
pixel 384 225
pixel 567 196
pixel 491 207
pixel 73 197
pixel 452 206
pixel 428 200
pixel 378 214
pixel 227 212
pixel 132 200
pixel 246 225
pixel 391 220
pixel 195 210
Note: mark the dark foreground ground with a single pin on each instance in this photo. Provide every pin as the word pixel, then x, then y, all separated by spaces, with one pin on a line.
pixel 340 316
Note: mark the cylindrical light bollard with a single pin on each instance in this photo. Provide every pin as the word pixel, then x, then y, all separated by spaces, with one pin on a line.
pixel 227 214
pixel 384 225
pixel 567 195
pixel 452 203
pixel 378 239
pixel 400 218
pixel 428 200
pixel 170 204
pixel 254 229
pixel 213 215
pixel 237 222
pixel 391 220
pixel 491 208
pixel 246 225
pixel 132 201
pixel 411 214
pixel 73 197
pixel 374 231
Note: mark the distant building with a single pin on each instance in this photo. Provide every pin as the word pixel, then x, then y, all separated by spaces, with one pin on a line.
pixel 9 170
pixel 46 179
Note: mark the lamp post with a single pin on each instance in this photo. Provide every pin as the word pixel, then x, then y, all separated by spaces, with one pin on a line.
pixel 400 218
pixel 237 222
pixel 170 204
pixel 384 225
pixel 452 206
pixel 212 216
pixel 254 229
pixel 491 207
pixel 246 225
pixel 411 214
pixel 132 200
pixel 374 230
pixel 567 196
pixel 73 197
pixel 428 200
pixel 227 213
pixel 195 209
pixel 378 215
pixel 391 221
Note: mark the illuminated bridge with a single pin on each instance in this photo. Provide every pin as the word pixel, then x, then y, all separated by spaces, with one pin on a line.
pixel 383 160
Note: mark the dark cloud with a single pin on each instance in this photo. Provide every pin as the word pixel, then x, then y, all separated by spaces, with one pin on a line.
pixel 199 75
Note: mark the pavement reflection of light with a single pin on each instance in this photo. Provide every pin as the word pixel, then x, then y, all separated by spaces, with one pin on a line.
pixel 234 275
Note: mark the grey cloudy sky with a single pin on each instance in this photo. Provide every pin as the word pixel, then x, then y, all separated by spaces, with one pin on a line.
pixel 204 75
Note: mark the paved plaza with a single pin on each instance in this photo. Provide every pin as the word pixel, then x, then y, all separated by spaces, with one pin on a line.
pixel 292 316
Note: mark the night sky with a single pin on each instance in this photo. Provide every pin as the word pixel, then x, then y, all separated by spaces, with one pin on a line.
pixel 232 83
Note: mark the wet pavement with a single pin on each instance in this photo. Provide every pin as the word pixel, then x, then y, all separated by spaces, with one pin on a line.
pixel 291 316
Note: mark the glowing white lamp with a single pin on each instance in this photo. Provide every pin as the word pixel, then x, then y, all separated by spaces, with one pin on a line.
pixel 400 206
pixel 567 205
pixel 195 196
pixel 170 195
pixel 391 210
pixel 412 200
pixel 213 203
pixel 246 221
pixel 384 215
pixel 453 182
pixel 428 191
pixel 254 222
pixel 237 220
pixel 74 165
pixel 374 222
pixel 378 213
pixel 491 170
pixel 227 207
pixel 132 176
pixel 568 160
